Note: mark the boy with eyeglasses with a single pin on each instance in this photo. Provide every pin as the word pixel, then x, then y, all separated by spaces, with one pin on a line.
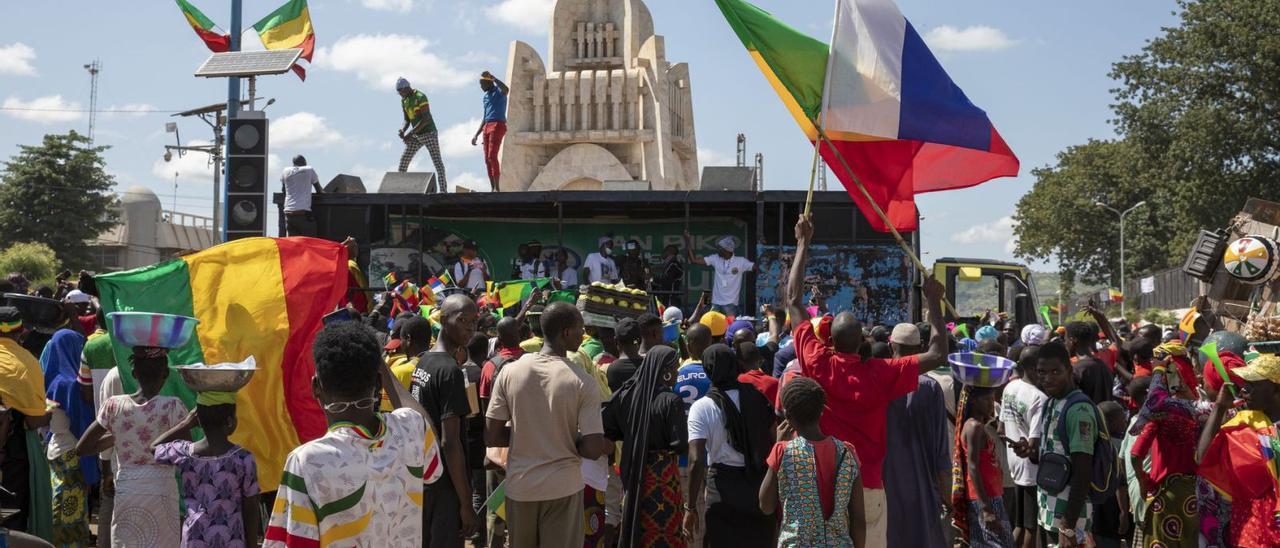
pixel 361 483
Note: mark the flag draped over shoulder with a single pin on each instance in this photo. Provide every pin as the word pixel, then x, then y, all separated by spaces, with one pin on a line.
pixel 885 102
pixel 260 297
pixel 205 28
pixel 289 27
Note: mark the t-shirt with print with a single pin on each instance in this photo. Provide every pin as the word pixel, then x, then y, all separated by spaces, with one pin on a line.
pixel 727 283
pixel 600 269
pixel 440 386
pixel 1020 410
pixel 415 107
pixel 134 426
pixel 824 462
pixel 548 402
pixel 1082 430
pixel 692 382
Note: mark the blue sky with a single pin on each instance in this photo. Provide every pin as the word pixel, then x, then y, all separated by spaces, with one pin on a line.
pixel 1038 68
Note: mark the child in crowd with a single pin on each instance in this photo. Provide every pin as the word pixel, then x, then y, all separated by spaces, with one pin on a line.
pixel 146 500
pixel 986 516
pixel 219 478
pixel 812 467
pixel 361 484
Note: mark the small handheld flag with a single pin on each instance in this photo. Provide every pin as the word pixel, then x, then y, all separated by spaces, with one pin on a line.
pixel 1044 313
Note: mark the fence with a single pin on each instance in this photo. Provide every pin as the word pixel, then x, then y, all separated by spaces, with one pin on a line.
pixel 1173 290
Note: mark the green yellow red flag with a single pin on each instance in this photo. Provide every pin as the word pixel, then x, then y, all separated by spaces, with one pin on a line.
pixel 289 26
pixel 205 28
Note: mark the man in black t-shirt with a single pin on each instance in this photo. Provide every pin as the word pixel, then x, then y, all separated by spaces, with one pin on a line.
pixel 439 384
pixel 1091 374
pixel 627 333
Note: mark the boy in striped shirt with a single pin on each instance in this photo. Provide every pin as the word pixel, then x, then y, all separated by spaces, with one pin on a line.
pixel 361 483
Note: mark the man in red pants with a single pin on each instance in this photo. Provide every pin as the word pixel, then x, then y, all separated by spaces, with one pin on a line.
pixel 494 125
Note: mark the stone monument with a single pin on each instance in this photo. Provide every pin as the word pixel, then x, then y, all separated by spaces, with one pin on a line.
pixel 610 109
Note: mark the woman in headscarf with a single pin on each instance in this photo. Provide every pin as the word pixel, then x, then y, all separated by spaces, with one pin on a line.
pixel 70 415
pixel 731 432
pixel 649 419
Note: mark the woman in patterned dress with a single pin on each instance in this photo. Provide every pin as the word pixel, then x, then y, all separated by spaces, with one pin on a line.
pixel 71 415
pixel 146 501
pixel 814 476
pixel 649 419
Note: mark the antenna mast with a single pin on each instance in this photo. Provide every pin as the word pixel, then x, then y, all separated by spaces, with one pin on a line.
pixel 93 68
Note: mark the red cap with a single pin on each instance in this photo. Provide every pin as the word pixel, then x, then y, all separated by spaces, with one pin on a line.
pixel 392 345
pixel 1213 381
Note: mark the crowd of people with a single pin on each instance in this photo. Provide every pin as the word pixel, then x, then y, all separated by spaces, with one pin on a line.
pixel 531 428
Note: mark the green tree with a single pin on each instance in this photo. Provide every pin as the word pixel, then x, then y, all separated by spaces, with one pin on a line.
pixel 1196 112
pixel 58 194
pixel 35 261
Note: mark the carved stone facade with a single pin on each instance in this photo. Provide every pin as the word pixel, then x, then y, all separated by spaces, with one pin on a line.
pixel 610 109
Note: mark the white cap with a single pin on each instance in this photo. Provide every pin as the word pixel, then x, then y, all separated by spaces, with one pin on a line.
pixel 76 296
pixel 725 243
pixel 905 333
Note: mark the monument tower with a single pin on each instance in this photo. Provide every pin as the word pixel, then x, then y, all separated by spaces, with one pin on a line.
pixel 610 108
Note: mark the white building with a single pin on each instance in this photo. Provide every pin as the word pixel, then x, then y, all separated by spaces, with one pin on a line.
pixel 609 109
pixel 147 234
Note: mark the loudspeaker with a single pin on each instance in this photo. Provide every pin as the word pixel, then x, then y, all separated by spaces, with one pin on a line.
pixel 345 184
pixel 413 182
pixel 728 178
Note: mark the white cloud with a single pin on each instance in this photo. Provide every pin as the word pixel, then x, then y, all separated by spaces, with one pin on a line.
pixel 50 109
pixel 1000 230
pixel 455 141
pixel 709 157
pixel 972 38
pixel 132 110
pixel 531 16
pixel 303 130
pixel 16 59
pixel 402 6
pixel 470 181
pixel 378 59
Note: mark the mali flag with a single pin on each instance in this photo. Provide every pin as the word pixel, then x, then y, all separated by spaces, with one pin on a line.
pixel 885 102
pixel 260 297
pixel 289 27
pixel 204 27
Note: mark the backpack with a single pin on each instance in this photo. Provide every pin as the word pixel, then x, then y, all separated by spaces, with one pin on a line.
pixel 1104 478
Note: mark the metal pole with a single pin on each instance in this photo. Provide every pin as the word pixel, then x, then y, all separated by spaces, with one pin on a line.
pixel 1122 296
pixel 233 101
pixel 217 179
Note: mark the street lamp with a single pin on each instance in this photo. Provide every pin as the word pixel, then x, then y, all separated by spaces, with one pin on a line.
pixel 1121 214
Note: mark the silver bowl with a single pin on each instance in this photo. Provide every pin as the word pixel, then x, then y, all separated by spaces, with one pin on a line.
pixel 203 379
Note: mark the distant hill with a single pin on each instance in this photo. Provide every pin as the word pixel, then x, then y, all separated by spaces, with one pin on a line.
pixel 977 297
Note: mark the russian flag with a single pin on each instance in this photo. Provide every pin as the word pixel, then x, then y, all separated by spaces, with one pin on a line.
pixel 891 111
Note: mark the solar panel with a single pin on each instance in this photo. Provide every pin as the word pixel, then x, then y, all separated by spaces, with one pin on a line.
pixel 248 63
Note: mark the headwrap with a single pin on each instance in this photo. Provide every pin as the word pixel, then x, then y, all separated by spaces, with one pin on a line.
pixel 986 333
pixel 672 314
pixel 726 243
pixel 1034 334
pixel 735 326
pixel 61 363
pixel 215 398
pixel 633 402
pixel 750 423
pixel 1213 381
pixel 967 345
pixel 1178 353
pixel 21 386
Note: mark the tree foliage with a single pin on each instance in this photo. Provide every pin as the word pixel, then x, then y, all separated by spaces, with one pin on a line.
pixel 1198 115
pixel 57 194
pixel 35 261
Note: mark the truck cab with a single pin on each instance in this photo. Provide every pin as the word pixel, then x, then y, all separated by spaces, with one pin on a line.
pixel 977 285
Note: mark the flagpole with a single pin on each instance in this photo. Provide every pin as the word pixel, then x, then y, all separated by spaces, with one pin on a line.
pixel 822 136
pixel 813 174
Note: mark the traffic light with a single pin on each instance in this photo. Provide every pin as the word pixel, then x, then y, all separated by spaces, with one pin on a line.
pixel 246 184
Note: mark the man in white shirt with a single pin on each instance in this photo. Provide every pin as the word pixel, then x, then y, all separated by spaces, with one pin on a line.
pixel 567 274
pixel 1020 409
pixel 533 266
pixel 298 180
pixel 470 272
pixel 729 268
pixel 599 265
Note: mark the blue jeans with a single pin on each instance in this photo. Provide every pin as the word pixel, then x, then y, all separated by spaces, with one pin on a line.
pixel 726 309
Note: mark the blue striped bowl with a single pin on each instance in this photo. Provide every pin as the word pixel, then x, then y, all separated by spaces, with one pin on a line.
pixel 984 370
pixel 151 329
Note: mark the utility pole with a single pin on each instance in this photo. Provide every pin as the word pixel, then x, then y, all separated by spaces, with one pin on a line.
pixel 233 109
pixel 742 150
pixel 1122 215
pixel 94 68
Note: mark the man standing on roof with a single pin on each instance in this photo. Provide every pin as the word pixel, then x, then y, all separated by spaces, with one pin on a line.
pixel 727 284
pixel 298 180
pixel 494 124
pixel 419 129
pixel 600 266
